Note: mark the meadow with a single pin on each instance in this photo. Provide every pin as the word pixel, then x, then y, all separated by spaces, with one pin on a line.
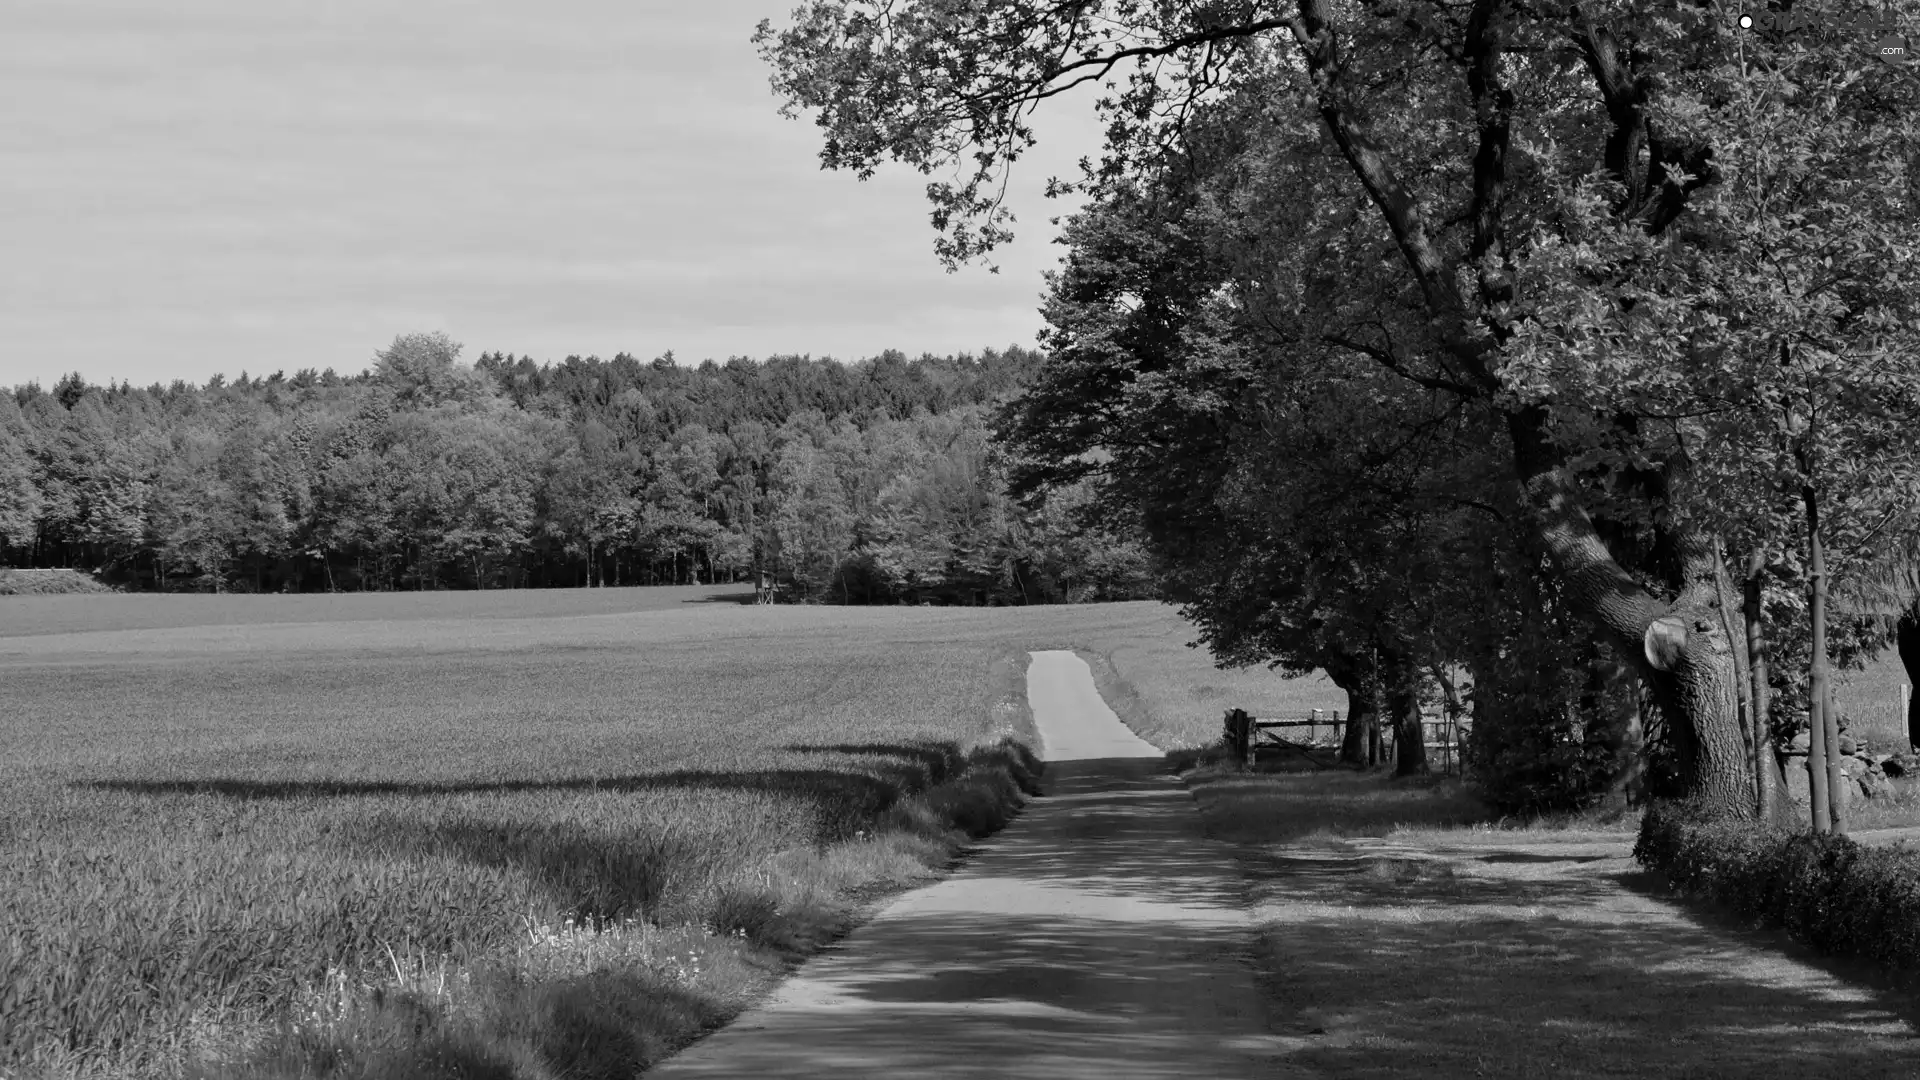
pixel 492 834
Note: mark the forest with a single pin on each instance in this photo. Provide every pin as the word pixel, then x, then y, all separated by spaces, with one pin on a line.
pixel 869 482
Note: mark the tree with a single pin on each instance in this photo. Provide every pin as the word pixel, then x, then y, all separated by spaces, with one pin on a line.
pixel 19 495
pixel 812 525
pixel 422 370
pixel 1503 153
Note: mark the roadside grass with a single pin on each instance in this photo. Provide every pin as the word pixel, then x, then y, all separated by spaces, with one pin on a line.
pixel 548 847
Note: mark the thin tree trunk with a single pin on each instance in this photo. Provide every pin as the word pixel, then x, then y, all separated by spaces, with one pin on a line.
pixel 1770 788
pixel 1838 793
pixel 1820 749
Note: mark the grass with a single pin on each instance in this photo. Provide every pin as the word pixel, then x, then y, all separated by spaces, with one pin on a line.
pixel 204 827
pixel 1871 700
pixel 533 834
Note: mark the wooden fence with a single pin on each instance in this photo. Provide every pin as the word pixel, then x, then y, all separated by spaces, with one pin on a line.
pixel 1247 735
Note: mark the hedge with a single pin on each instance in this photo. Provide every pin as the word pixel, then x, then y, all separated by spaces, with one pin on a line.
pixel 1839 896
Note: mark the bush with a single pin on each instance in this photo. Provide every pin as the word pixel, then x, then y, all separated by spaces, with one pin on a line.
pixel 1839 896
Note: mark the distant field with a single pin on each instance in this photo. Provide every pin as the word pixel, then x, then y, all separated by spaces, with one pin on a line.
pixel 213 806
pixel 1872 699
pixel 33 615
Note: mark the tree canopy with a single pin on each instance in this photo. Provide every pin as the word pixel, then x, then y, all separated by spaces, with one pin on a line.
pixel 1656 267
pixel 870 482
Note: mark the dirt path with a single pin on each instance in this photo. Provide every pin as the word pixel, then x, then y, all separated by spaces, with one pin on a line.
pixel 1100 936
pixel 1462 953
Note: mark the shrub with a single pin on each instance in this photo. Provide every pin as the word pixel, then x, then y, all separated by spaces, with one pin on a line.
pixel 1835 894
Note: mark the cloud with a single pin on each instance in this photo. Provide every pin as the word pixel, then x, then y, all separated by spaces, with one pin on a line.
pixel 206 186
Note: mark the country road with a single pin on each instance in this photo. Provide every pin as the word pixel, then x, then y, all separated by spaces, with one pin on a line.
pixel 1100 936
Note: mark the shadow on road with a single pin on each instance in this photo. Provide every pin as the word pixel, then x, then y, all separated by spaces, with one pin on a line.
pixel 1102 936
pixel 1439 952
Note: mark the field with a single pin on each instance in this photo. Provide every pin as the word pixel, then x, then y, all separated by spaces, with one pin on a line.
pixel 534 823
pixel 1871 699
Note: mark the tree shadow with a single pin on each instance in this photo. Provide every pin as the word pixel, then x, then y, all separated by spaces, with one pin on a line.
pixel 1101 936
pixel 1535 857
pixel 1375 962
pixel 742 595
pixel 932 761
pixel 1894 987
pixel 872 789
pixel 1513 963
pixel 1268 808
pixel 595 872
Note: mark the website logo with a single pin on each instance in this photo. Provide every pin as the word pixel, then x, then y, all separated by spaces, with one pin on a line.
pixel 1879 30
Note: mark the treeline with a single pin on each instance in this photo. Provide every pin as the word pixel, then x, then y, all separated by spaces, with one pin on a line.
pixel 865 482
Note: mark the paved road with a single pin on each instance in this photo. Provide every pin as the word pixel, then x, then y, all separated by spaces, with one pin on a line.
pixel 1098 936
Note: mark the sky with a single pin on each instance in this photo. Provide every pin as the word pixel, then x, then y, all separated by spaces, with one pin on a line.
pixel 216 186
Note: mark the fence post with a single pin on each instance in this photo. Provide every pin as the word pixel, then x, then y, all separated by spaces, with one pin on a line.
pixel 1239 730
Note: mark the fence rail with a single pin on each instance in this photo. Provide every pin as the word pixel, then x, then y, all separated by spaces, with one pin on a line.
pixel 1246 735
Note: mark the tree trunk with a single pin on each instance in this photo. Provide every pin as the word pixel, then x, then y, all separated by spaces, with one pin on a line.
pixel 1819 680
pixel 1907 637
pixel 1409 733
pixel 1356 678
pixel 1679 648
pixel 1771 790
pixel 1819 748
